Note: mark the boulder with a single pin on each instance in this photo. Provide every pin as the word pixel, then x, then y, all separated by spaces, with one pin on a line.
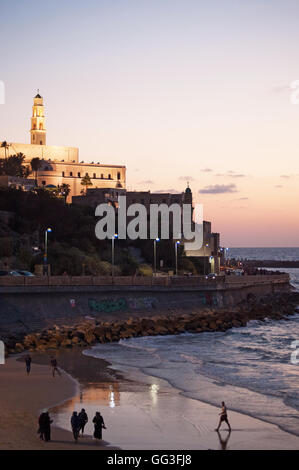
pixel 19 347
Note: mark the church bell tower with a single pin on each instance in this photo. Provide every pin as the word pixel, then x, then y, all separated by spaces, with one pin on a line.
pixel 38 130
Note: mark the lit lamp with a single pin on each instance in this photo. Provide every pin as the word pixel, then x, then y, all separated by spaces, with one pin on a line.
pixel 204 258
pixel 155 254
pixel 48 230
pixel 112 243
pixel 176 256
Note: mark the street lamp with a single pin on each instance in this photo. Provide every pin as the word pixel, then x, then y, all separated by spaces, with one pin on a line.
pixel 112 243
pixel 204 258
pixel 48 230
pixel 176 256
pixel 155 254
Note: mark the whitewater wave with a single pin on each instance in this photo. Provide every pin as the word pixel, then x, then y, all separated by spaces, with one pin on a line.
pixel 248 367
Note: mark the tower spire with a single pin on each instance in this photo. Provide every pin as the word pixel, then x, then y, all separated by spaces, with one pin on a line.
pixel 38 130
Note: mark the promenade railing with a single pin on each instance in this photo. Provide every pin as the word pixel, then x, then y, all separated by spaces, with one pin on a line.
pixel 162 281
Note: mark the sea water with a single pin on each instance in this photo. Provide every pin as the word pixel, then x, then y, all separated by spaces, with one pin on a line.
pixel 249 368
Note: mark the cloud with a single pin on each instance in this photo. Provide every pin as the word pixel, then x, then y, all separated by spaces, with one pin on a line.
pixel 206 170
pixel 232 174
pixel 285 176
pixel 146 182
pixel 278 186
pixel 186 178
pixel 219 189
pixel 243 199
pixel 171 191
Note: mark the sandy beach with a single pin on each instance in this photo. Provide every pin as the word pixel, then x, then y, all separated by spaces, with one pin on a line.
pixel 21 399
pixel 140 412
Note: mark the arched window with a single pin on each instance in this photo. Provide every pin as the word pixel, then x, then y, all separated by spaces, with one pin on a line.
pixel 71 173
pixel 94 175
pixel 79 175
pixel 118 175
pixel 41 126
pixel 63 174
pixel 109 176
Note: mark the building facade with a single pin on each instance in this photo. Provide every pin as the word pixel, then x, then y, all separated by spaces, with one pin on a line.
pixel 60 165
pixel 210 250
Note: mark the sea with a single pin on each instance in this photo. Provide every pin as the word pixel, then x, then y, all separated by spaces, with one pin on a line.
pixel 250 368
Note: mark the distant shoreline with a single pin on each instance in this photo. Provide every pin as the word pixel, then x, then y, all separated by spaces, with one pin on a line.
pixel 269 263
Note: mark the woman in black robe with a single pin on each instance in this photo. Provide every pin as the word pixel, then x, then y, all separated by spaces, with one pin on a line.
pixel 98 425
pixel 45 426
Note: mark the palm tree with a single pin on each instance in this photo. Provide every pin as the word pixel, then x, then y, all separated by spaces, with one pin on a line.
pixel 5 145
pixel 35 166
pixel 14 166
pixel 86 182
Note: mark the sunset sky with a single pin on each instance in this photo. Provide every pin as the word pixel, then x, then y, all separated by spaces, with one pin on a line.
pixel 175 90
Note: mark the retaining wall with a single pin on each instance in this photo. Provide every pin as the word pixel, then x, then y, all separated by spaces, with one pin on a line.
pixel 32 303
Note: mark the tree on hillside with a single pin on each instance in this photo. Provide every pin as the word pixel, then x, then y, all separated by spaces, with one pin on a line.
pixel 64 191
pixel 14 166
pixel 86 181
pixel 35 166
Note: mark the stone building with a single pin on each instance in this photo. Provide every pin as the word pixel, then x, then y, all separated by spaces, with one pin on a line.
pixel 210 250
pixel 60 165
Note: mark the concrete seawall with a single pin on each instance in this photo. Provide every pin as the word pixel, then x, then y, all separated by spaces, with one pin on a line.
pixel 33 303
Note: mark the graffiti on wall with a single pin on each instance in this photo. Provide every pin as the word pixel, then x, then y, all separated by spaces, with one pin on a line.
pixel 207 298
pixel 107 305
pixel 116 305
pixel 142 302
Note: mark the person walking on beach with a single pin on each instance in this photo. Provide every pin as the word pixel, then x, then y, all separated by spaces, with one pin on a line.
pixel 98 425
pixel 83 419
pixel 54 366
pixel 75 423
pixel 223 417
pixel 44 429
pixel 28 363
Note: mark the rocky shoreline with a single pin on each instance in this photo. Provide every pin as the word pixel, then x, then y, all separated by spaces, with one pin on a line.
pixel 92 330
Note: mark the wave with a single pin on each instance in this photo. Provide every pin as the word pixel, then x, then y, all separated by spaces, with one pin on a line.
pixel 249 367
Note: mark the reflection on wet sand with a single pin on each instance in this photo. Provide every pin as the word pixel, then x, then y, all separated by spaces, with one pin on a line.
pixel 104 394
pixel 223 441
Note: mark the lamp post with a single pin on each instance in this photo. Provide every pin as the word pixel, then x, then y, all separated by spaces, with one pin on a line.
pixel 176 256
pixel 112 245
pixel 48 230
pixel 155 254
pixel 204 258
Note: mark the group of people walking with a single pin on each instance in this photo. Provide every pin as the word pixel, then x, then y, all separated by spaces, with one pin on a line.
pixel 78 420
pixel 78 423
pixel 53 363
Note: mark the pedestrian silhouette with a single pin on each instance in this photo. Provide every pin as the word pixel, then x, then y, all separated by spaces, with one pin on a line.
pixel 83 419
pixel 54 366
pixel 28 363
pixel 75 423
pixel 223 417
pixel 44 426
pixel 98 425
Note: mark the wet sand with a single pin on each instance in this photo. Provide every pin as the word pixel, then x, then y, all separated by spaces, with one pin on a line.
pixel 140 412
